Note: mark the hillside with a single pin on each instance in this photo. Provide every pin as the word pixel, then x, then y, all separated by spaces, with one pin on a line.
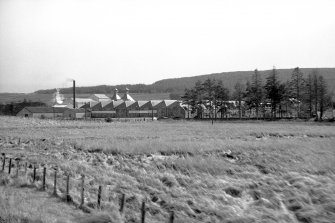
pixel 230 78
pixel 178 85
pixel 161 89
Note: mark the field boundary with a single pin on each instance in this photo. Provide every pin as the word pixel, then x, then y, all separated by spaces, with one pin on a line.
pixel 15 165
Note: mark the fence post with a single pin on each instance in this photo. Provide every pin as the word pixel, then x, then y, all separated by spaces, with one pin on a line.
pixel 171 217
pixel 123 199
pixel 82 190
pixel 143 212
pixel 55 182
pixel 44 173
pixel 99 196
pixel 68 199
pixel 10 165
pixel 34 174
pixel 3 161
pixel 17 167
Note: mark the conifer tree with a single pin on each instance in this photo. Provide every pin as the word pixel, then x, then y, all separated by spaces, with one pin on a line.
pixel 274 90
pixel 256 89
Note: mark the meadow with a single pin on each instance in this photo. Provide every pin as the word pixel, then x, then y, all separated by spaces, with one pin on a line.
pixel 227 172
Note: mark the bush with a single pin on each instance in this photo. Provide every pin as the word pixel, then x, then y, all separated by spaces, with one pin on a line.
pixel 109 120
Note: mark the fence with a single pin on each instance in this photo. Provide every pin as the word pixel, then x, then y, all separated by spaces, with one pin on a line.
pixel 17 163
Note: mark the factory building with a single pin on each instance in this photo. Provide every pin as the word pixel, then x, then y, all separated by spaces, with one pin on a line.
pixel 42 112
pixel 101 106
pixel 127 107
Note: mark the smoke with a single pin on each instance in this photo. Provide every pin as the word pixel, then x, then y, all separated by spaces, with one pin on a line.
pixel 58 97
pixel 69 79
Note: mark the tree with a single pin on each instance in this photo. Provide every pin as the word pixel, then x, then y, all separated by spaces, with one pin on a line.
pixel 187 99
pixel 274 90
pixel 191 99
pixel 309 94
pixel 322 89
pixel 221 95
pixel 248 96
pixel 238 95
pixel 296 86
pixel 209 86
pixel 198 95
pixel 256 91
pixel 208 94
pixel 315 75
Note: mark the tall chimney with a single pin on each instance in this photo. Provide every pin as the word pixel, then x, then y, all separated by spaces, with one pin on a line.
pixel 74 94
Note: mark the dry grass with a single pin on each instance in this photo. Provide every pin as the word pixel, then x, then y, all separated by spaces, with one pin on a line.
pixel 228 172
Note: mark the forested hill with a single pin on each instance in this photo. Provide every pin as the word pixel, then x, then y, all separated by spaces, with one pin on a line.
pixel 178 85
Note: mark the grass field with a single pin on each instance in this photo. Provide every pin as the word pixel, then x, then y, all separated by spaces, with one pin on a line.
pixel 226 172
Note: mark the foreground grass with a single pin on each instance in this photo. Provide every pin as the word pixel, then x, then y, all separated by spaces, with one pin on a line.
pixel 228 172
pixel 19 202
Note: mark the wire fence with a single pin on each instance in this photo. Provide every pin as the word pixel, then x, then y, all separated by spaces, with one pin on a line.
pixel 61 183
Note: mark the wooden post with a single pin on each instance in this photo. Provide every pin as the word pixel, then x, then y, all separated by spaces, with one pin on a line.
pixel 171 219
pixel 122 203
pixel 68 199
pixel 3 161
pixel 143 212
pixel 55 183
pixel 99 196
pixel 44 174
pixel 17 167
pixel 82 189
pixel 10 165
pixel 34 174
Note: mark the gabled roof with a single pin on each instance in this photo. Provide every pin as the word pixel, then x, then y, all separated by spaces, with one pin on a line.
pixel 117 103
pixel 142 103
pixel 169 103
pixel 129 103
pixel 104 103
pixel 85 106
pixel 93 103
pixel 46 109
pixel 116 97
pixel 109 106
pixel 155 103
pixel 97 107
pixel 127 97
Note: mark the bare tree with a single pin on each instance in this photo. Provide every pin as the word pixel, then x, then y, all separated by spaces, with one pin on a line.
pixel 238 95
pixel 309 94
pixel 322 86
pixel 296 86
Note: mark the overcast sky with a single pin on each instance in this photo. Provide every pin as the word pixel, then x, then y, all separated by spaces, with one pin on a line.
pixel 45 42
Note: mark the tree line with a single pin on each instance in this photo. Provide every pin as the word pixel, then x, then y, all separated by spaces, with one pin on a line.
pixel 307 94
pixel 14 108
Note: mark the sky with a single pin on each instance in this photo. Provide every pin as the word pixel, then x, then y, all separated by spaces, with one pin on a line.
pixel 45 43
